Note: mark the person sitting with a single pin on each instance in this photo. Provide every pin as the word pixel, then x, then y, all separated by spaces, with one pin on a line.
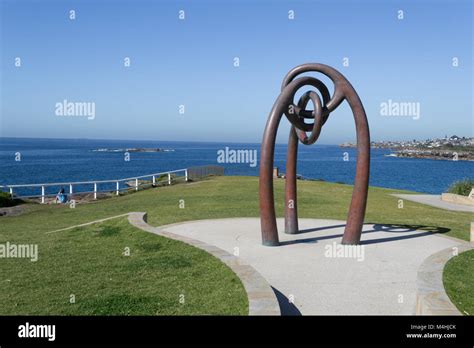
pixel 61 197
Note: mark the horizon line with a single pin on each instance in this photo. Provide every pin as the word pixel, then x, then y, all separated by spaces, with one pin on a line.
pixel 212 142
pixel 173 141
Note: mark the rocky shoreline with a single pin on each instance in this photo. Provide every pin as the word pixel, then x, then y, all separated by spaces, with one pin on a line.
pixel 447 155
pixel 436 154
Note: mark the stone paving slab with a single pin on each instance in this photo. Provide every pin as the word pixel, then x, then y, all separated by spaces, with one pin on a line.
pixel 383 281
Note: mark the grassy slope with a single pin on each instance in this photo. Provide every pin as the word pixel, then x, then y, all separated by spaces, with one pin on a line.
pixel 216 198
pixel 90 264
pixel 238 196
pixel 458 281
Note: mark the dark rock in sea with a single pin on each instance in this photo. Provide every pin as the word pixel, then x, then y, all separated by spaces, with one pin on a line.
pixel 139 149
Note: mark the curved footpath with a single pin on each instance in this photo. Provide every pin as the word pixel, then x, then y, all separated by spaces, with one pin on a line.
pixel 435 201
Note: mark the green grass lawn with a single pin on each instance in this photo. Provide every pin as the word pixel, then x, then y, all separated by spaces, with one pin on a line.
pixel 112 268
pixel 86 258
pixel 458 281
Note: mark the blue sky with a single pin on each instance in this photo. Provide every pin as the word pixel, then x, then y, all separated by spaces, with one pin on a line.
pixel 190 62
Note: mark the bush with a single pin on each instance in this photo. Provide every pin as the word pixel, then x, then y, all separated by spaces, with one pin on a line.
pixel 462 187
pixel 7 201
pixel 164 177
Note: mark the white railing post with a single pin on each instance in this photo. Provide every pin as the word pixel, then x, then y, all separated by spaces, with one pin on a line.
pixel 42 194
pixel 169 178
pixel 136 184
pixel 154 180
pixel 70 189
pixel 186 175
pixel 95 190
pixel 117 189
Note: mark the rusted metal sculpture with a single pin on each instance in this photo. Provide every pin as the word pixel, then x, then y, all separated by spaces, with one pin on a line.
pixel 296 114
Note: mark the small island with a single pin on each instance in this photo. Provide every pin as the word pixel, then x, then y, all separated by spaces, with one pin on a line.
pixel 452 148
pixel 139 149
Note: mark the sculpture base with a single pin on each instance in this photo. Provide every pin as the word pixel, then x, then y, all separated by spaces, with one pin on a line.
pixel 270 243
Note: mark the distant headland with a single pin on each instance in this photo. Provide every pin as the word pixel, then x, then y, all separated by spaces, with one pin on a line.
pixel 447 148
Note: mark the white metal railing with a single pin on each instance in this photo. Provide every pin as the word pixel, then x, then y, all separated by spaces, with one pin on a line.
pixel 95 184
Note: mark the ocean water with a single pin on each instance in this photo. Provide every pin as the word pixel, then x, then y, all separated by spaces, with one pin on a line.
pixel 64 160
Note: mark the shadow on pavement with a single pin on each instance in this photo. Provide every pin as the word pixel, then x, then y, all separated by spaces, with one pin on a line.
pixel 286 307
pixel 391 228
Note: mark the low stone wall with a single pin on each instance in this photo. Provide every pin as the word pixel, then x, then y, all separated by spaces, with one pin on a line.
pixel 431 298
pixel 457 199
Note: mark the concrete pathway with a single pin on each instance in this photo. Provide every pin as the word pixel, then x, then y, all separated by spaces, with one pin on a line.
pixel 309 278
pixel 435 201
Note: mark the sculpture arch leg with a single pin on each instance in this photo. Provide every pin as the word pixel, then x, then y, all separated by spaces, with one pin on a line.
pixel 291 211
pixel 355 218
pixel 267 204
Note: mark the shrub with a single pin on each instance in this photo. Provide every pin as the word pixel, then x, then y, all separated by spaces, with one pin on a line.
pixel 462 187
pixel 7 201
